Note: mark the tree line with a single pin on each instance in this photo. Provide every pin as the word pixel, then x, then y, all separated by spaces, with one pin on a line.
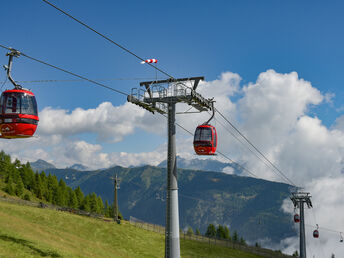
pixel 221 232
pixel 20 180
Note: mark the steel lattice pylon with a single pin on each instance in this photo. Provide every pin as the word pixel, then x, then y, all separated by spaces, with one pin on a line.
pixel 299 199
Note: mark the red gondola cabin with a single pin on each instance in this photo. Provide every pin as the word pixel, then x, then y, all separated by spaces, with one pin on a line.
pixel 205 140
pixel 19 116
pixel 316 233
pixel 296 218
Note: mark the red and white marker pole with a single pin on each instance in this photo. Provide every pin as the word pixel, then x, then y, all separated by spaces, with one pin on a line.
pixel 149 61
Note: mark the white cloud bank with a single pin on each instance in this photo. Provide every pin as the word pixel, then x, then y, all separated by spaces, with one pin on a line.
pixel 272 112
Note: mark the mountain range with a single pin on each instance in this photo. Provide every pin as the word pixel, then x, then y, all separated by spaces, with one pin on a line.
pixel 42 165
pixel 205 165
pixel 250 206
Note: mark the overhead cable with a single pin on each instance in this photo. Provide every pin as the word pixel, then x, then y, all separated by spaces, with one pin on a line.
pixel 105 37
pixel 223 155
pixel 65 71
pixel 79 80
pixel 250 143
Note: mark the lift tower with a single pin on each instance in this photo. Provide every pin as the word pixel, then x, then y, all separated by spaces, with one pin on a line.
pixel 162 96
pixel 298 199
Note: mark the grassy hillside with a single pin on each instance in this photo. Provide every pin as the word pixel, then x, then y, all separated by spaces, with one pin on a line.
pixel 32 232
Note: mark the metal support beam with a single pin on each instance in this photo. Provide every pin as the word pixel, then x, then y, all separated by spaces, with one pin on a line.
pixel 172 246
pixel 115 201
pixel 302 231
pixel 13 53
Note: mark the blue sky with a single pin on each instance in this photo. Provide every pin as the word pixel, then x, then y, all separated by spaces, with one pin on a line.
pixel 188 38
pixel 274 68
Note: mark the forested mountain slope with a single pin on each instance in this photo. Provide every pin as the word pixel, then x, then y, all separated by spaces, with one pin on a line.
pixel 250 206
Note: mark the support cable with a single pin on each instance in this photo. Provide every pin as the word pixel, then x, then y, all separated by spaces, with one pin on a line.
pixel 238 139
pixel 105 37
pixel 79 80
pixel 254 147
pixel 65 71
pixel 223 155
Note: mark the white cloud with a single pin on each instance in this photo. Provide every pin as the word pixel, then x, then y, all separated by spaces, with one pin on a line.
pixel 228 170
pixel 339 124
pixel 108 122
pixel 271 107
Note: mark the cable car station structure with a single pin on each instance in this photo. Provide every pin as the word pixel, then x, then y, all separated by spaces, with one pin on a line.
pixel 162 96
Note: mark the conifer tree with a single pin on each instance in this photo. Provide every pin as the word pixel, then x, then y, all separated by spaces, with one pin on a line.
pixel 19 187
pixel 79 195
pixel 85 205
pixel 72 200
pixel 235 237
pixel 27 176
pixel 9 186
pixel 189 232
pixel 198 232
pixel 100 205
pixel 93 202
pixel 38 186
pixel 211 231
pixel 220 232
pixel 106 208
pixel 227 234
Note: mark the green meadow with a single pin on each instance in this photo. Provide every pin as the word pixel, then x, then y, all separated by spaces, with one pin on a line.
pixel 34 232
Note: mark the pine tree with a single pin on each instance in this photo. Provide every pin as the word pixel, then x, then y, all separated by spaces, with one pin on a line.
pixel 211 231
pixel 100 205
pixel 220 232
pixel 189 232
pixel 62 194
pixel 19 187
pixel 93 202
pixel 198 232
pixel 38 186
pixel 106 209
pixel 79 195
pixel 9 186
pixel 242 241
pixel 53 186
pixel 85 205
pixel 27 176
pixel 227 234
pixel 235 237
pixel 72 199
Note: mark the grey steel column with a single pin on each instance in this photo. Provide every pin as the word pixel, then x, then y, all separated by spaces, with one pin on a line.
pixel 115 202
pixel 302 231
pixel 172 247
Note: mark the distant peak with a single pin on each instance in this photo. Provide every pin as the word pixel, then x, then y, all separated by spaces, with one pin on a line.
pixel 79 167
pixel 41 165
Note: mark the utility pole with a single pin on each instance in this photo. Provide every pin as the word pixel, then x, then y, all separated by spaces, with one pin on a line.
pixel 298 199
pixel 158 98
pixel 115 200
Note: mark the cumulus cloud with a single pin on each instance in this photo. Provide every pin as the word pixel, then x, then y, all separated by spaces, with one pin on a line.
pixel 108 122
pixel 339 124
pixel 228 170
pixel 271 106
